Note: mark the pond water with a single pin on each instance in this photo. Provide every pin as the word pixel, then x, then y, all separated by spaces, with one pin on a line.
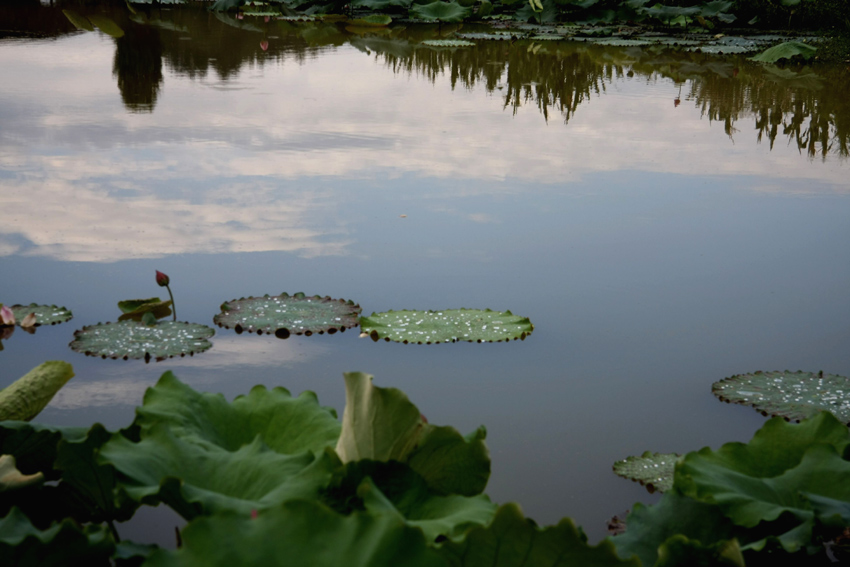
pixel 665 219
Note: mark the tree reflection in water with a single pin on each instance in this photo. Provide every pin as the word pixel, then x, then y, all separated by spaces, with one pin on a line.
pixel 805 107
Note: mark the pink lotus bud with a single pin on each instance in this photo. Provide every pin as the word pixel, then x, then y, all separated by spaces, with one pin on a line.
pixel 266 19
pixel 425 419
pixel 162 279
pixel 6 316
pixel 253 514
pixel 264 45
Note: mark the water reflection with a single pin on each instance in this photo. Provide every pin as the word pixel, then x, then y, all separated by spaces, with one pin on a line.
pixel 556 77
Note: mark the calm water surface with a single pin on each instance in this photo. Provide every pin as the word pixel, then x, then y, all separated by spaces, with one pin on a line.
pixel 665 219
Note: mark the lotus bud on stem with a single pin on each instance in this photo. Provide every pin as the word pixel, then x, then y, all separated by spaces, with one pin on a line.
pixel 163 281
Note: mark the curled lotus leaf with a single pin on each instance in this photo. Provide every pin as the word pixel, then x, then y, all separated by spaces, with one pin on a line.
pixel 44 314
pixel 131 339
pixel 448 43
pixel 442 11
pixel 652 470
pixel 792 395
pixel 446 326
pixel 12 479
pixel 28 395
pixel 135 309
pixel 286 314
pixel 787 50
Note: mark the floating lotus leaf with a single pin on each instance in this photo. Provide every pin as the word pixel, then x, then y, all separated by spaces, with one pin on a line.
pixel 495 36
pixel 131 339
pixel 787 50
pixel 547 37
pixel 442 11
pixel 28 395
pixel 299 533
pixel 376 20
pixel 623 42
pixel 288 314
pixel 447 326
pixel 44 314
pixel 721 49
pixel 652 470
pixel 512 540
pixel 447 43
pixel 792 395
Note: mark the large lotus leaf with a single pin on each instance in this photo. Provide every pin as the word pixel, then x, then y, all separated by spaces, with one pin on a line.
pixel 107 25
pixel 382 424
pixel 442 11
pixel 131 339
pixel 447 326
pixel 512 540
pixel 285 424
pixel 394 487
pixel 28 395
pixel 681 551
pixel 649 527
pixel 13 479
pixel 299 533
pixel 715 8
pixel 653 470
pixel 284 315
pixel 792 395
pixel 787 50
pixel 44 314
pixel 759 482
pixel 450 43
pixel 86 486
pixel 60 545
pixel 80 22
pixel 34 445
pixel 195 480
pixel 135 309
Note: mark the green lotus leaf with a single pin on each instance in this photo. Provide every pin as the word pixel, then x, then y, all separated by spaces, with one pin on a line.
pixel 679 550
pixel 447 326
pixel 766 479
pixel 34 445
pixel 284 315
pixel 494 36
pixel 652 470
pixel 80 22
pixel 195 480
pixel 513 540
pixel 301 533
pixel 372 20
pixel 24 545
pixel 442 11
pixel 792 395
pixel 132 339
pixel 649 527
pixel 28 395
pixel 716 7
pixel 382 424
pixel 106 25
pixel 285 424
pixel 381 4
pixel 393 487
pixel 12 479
pixel 44 314
pixel 135 309
pixel 787 50
pixel 447 43
pixel 86 486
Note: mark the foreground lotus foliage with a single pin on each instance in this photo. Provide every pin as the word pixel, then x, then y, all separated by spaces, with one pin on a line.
pixel 37 315
pixel 446 326
pixel 652 470
pixel 276 479
pixel 286 315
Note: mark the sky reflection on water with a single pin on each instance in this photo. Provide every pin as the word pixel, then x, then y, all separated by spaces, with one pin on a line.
pixel 654 253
